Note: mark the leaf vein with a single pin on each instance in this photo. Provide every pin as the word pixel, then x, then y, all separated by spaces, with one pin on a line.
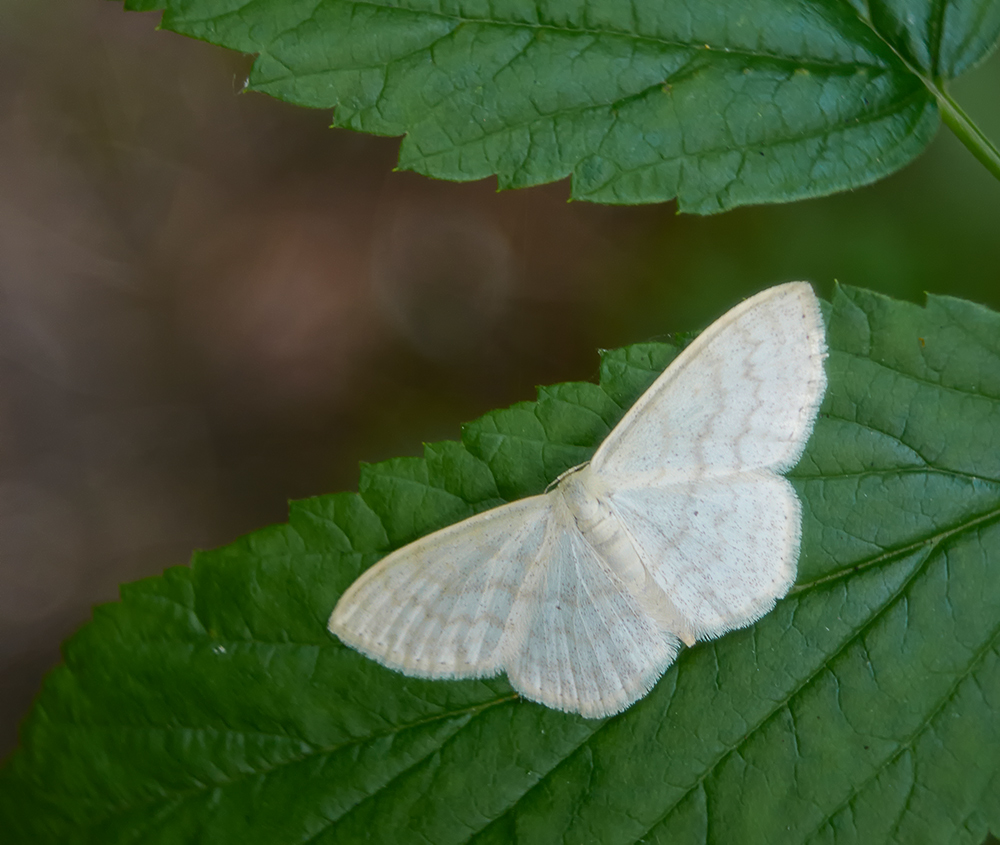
pixel 989 645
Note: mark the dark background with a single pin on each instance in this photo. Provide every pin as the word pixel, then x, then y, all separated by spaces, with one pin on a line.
pixel 210 303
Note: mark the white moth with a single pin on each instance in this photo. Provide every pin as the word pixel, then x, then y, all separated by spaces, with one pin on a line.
pixel 679 529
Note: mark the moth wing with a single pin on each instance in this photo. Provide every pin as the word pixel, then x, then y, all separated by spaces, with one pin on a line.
pixel 577 639
pixel 742 396
pixel 438 607
pixel 723 550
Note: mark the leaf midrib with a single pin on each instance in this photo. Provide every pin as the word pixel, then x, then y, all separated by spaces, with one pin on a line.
pixel 913 470
pixel 892 554
pixel 699 50
pixel 180 796
pixel 934 50
pixel 460 20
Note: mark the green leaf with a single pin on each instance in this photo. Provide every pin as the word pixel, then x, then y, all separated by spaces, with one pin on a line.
pixel 720 103
pixel 211 705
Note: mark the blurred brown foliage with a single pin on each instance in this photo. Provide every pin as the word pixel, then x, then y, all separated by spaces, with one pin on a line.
pixel 210 303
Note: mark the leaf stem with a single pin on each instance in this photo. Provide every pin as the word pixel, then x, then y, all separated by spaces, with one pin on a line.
pixel 967 131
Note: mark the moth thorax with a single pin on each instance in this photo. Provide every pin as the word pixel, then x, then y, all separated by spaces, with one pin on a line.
pixel 578 490
pixel 581 492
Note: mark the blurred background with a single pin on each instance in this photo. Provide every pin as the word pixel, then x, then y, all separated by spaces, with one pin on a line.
pixel 211 303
